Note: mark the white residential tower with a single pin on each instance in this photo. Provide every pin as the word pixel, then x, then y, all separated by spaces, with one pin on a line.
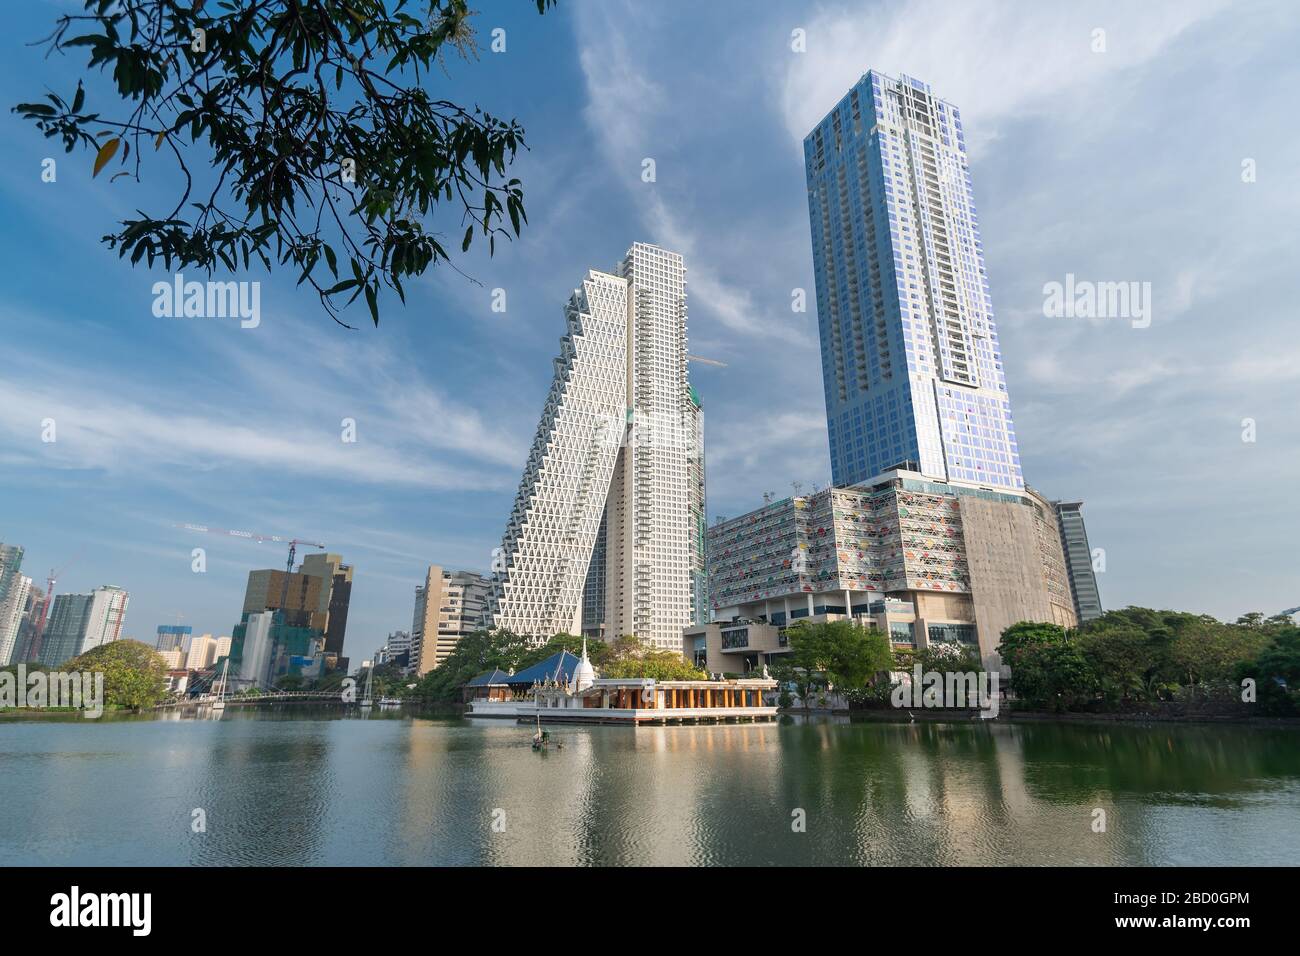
pixel 616 470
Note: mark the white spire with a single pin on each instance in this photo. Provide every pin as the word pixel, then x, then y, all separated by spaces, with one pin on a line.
pixel 584 675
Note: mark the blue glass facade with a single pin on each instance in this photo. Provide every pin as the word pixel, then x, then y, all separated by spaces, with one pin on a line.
pixel 910 358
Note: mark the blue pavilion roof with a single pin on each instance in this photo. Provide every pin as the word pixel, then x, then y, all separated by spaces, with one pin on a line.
pixel 556 667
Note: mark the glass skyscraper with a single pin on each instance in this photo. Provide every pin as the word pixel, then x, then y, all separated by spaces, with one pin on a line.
pixel 910 358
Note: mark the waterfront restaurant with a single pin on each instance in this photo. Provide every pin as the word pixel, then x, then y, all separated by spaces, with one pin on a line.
pixel 638 700
pixel 566 688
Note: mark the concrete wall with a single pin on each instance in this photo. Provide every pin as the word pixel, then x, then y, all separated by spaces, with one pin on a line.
pixel 1008 578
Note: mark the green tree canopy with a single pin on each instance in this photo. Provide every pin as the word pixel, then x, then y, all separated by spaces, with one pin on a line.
pixel 135 675
pixel 475 653
pixel 1212 651
pixel 832 654
pixel 302 131
pixel 1048 667
pixel 1135 654
pixel 630 657
pixel 1276 672
pixel 1123 658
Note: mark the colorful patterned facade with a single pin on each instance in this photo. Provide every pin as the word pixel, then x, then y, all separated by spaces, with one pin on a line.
pixel 840 539
pixel 903 536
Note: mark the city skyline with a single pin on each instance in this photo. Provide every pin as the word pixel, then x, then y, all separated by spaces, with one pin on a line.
pixel 205 423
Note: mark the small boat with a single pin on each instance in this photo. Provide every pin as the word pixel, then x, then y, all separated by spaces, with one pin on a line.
pixel 542 739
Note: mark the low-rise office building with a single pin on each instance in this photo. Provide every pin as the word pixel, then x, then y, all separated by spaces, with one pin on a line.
pixel 925 561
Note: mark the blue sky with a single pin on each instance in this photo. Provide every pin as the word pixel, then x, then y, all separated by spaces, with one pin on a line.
pixel 1115 166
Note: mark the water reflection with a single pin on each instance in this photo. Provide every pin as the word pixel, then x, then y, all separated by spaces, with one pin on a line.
pixel 302 788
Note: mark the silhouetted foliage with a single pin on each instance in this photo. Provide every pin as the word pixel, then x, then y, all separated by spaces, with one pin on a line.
pixel 302 129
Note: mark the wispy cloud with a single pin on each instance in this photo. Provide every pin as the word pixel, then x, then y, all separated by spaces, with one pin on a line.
pixel 272 418
pixel 1000 59
pixel 632 118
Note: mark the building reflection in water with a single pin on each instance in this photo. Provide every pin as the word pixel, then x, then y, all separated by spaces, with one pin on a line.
pixel 300 788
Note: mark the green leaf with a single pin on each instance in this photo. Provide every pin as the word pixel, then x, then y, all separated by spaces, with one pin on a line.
pixel 372 300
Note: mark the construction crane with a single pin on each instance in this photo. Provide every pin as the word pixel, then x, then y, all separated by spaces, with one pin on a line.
pixel 705 361
pixel 259 538
pixel 288 567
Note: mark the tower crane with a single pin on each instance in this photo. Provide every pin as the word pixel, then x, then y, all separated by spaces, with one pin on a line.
pixel 705 361
pixel 259 538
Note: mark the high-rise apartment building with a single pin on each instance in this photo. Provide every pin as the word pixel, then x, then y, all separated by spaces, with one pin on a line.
pixel 65 626
pixel 929 532
pixel 13 608
pixel 396 650
pixel 1078 560
pixel 911 365
pixel 11 562
pixel 539 573
pixel 205 650
pixel 288 619
pixel 25 647
pixel 616 470
pixel 79 622
pixel 173 637
pixel 449 605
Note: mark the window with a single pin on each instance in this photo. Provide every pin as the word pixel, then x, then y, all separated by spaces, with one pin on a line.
pixel 735 638
pixel 953 634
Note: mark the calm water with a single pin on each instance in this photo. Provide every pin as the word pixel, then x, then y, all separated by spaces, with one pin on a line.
pixel 317 790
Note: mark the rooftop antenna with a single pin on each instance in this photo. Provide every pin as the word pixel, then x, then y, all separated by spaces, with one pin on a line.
pixel 798 488
pixel 767 497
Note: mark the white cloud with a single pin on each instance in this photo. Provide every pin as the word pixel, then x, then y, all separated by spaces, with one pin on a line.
pixel 271 418
pixel 633 117
pixel 994 60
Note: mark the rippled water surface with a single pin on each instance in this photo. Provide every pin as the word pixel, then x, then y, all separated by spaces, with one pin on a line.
pixel 317 789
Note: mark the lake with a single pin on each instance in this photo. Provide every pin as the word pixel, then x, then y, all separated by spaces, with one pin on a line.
pixel 299 787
